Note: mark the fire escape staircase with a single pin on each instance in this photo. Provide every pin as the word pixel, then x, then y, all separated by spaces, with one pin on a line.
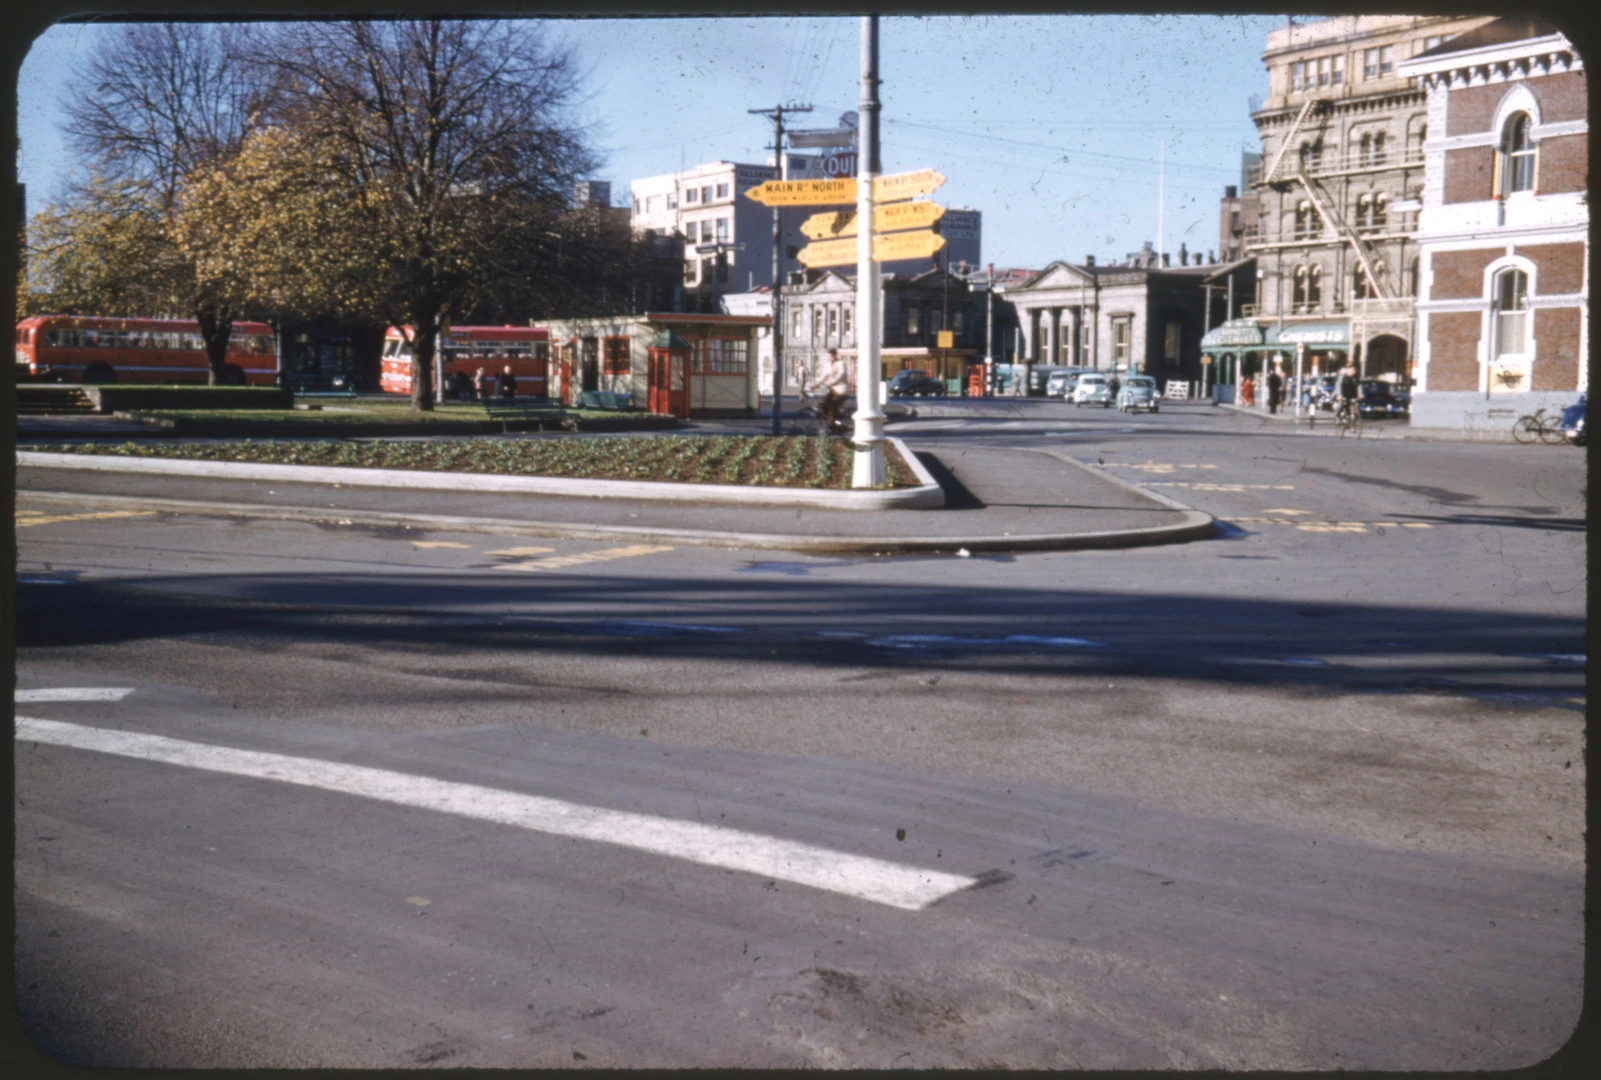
pixel 1328 210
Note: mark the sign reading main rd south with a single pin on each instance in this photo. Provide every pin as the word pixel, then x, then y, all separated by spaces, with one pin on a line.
pixel 907 185
pixel 888 218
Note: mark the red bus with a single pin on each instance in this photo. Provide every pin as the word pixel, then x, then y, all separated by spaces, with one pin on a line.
pixel 101 349
pixel 468 348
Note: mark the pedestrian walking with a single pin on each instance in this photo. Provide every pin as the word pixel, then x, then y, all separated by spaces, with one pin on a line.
pixel 483 385
pixel 1275 388
pixel 508 386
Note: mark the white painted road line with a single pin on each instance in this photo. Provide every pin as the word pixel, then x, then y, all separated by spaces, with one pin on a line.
pixel 73 693
pixel 769 857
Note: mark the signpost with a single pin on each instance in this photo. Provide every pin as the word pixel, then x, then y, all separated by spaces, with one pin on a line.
pixel 889 247
pixel 890 218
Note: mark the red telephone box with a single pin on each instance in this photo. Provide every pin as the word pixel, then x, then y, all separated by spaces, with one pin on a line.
pixel 668 389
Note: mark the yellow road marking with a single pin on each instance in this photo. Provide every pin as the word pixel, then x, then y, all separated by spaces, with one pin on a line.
pixel 521 552
pixel 1154 466
pixel 437 544
pixel 1329 526
pixel 35 518
pixel 558 562
pixel 1282 511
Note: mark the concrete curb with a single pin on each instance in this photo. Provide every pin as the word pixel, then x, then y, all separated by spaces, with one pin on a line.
pixel 927 495
pixel 1196 526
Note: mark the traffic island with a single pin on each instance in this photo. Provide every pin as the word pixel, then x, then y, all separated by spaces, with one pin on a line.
pixel 738 470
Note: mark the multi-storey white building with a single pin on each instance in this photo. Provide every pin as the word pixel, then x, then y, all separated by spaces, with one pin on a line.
pixel 1341 182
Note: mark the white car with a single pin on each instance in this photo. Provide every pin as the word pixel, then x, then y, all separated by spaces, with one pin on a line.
pixel 1092 389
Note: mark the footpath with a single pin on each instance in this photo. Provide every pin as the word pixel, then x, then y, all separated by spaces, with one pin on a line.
pixel 995 500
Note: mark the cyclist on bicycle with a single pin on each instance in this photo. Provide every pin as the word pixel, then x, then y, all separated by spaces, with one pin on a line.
pixel 833 378
pixel 1347 406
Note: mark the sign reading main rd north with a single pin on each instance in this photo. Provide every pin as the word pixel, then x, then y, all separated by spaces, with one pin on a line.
pixel 888 218
pixel 804 192
pixel 894 188
pixel 895 246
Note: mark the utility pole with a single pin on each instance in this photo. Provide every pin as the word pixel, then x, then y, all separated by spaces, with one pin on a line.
pixel 989 331
pixel 777 113
pixel 868 466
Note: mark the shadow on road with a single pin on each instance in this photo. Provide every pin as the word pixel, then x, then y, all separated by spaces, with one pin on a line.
pixel 1248 640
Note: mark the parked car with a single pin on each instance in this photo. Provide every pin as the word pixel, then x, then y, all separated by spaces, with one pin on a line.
pixel 1092 389
pixel 1403 394
pixel 1376 398
pixel 1061 382
pixel 1139 392
pixel 1572 425
pixel 911 382
pixel 1325 392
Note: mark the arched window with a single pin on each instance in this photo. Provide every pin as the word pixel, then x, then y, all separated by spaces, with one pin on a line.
pixel 1298 296
pixel 1412 276
pixel 1517 149
pixel 1378 148
pixel 1303 219
pixel 1365 154
pixel 1364 211
pixel 1511 312
pixel 1306 156
pixel 1361 287
pixel 1314 288
pixel 1380 217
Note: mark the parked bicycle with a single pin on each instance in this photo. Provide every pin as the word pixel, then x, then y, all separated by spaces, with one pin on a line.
pixel 1538 427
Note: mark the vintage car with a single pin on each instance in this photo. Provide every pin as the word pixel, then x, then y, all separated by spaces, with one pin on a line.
pixel 1139 392
pixel 1092 389
pixel 914 382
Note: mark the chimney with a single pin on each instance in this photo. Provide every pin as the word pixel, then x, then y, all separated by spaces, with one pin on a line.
pixel 1164 259
pixel 1231 192
pixel 1089 260
pixel 1184 254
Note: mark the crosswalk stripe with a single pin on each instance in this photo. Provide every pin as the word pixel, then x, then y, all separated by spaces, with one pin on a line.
pixel 72 693
pixel 876 880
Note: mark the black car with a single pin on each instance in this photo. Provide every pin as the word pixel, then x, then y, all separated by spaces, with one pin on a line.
pixel 1572 426
pixel 1375 398
pixel 914 382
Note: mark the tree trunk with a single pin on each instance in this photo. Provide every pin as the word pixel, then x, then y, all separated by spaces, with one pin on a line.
pixel 423 349
pixel 216 328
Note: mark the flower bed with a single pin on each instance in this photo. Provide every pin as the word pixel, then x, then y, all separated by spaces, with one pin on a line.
pixel 749 460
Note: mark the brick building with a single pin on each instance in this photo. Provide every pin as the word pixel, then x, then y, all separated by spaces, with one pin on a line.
pixel 1503 314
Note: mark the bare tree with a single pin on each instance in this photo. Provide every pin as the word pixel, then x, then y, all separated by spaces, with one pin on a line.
pixel 159 101
pixel 455 135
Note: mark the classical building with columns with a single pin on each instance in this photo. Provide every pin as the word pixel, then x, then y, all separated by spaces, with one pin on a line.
pixel 1503 316
pixel 1143 316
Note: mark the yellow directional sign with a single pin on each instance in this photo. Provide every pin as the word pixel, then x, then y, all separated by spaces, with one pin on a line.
pixel 904 215
pixel 803 192
pixel 906 245
pixel 908 185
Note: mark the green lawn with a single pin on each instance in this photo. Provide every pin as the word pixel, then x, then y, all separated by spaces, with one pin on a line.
pixel 754 460
pixel 367 412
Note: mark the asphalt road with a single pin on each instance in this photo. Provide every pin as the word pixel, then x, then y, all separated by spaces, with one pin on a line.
pixel 1308 795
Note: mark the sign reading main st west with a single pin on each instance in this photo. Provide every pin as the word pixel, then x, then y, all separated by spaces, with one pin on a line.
pixel 887 218
pixel 894 188
pixel 895 246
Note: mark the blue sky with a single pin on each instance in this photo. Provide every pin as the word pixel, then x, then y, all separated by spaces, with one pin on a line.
pixel 1051 125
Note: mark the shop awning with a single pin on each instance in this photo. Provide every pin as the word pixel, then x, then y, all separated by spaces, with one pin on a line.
pixel 1333 333
pixel 1234 333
